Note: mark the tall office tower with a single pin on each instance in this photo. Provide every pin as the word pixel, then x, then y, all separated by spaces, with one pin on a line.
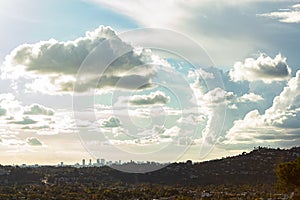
pixel 98 161
pixel 83 162
pixel 90 163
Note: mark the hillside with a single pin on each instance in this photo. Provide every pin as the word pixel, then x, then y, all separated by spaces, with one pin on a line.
pixel 256 167
pixel 246 176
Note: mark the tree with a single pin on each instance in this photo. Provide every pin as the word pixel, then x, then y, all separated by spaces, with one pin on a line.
pixel 288 175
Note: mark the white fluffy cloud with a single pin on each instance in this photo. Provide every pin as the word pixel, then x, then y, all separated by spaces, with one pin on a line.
pixel 57 57
pixel 111 122
pixel 217 96
pixel 34 118
pixel 12 142
pixel 289 15
pixel 157 97
pixel 25 121
pixel 212 106
pixel 171 132
pixel 9 105
pixel 250 97
pixel 192 119
pixel 281 122
pixel 200 73
pixel 264 68
pixel 36 109
pixel 54 65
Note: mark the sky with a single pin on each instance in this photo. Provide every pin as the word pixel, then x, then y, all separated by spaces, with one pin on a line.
pixel 147 80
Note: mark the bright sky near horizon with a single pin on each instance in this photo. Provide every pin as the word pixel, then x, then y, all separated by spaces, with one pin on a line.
pixel 234 83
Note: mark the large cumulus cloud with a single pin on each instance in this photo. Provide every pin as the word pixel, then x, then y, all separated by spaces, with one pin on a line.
pixel 54 65
pixel 57 57
pixel 264 68
pixel 236 102
pixel 279 123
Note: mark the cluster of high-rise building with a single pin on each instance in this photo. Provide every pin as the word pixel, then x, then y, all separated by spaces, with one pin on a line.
pixel 84 163
pixel 99 162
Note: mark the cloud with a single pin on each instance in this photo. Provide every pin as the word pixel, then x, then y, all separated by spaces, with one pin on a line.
pixel 2 111
pixel 157 97
pixel 155 135
pixel 215 102
pixel 12 142
pixel 36 109
pixel 200 73
pixel 285 111
pixel 289 15
pixel 32 141
pixel 36 127
pixel 212 106
pixel 25 120
pixel 57 57
pixel 19 118
pixel 218 96
pixel 171 132
pixel 212 101
pixel 225 44
pixel 53 65
pixel 111 122
pixel 9 105
pixel 264 68
pixel 166 14
pixel 280 122
pixel 250 97
pixel 192 119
